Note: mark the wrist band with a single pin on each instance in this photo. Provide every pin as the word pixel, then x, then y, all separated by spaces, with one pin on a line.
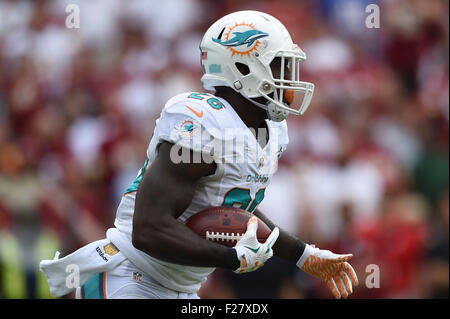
pixel 306 253
pixel 297 250
pixel 232 260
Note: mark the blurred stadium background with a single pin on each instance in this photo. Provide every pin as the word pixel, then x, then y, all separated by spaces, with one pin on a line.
pixel 366 170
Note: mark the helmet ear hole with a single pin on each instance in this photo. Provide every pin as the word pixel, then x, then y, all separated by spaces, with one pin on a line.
pixel 242 68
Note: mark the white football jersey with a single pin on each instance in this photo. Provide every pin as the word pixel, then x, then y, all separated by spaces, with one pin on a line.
pixel 208 125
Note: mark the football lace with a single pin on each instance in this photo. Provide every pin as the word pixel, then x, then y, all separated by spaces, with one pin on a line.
pixel 221 236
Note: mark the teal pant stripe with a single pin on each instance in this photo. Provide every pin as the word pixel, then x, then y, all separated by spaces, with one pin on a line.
pixel 93 288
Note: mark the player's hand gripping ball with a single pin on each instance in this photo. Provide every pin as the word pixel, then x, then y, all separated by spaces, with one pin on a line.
pixel 248 235
pixel 225 225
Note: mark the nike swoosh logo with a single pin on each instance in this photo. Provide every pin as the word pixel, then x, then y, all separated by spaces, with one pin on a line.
pixel 199 114
pixel 252 249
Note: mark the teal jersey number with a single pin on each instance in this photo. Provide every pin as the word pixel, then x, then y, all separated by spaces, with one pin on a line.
pixel 213 102
pixel 242 197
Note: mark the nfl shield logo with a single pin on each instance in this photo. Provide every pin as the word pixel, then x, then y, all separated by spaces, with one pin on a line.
pixel 137 276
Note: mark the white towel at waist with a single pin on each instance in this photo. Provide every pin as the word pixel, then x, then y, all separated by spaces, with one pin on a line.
pixel 94 258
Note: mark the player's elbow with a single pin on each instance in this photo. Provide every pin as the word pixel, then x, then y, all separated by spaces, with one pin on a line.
pixel 143 238
pixel 151 235
pixel 138 240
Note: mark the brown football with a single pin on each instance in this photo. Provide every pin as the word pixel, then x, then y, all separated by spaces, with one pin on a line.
pixel 225 225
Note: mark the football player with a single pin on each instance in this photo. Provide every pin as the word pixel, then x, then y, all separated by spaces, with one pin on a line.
pixel 209 149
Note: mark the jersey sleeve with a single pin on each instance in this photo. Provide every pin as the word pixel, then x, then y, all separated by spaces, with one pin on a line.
pixel 187 126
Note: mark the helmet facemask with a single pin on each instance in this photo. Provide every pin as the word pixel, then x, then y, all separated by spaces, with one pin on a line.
pixel 284 93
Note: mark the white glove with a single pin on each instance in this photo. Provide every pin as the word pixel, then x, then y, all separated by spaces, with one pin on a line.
pixel 251 253
pixel 333 269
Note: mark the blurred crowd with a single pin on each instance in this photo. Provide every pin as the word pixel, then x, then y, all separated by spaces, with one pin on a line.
pixel 366 171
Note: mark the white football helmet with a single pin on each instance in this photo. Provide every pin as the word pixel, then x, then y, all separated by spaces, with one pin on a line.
pixel 253 53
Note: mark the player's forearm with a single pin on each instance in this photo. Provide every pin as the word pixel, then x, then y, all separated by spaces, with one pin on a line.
pixel 157 232
pixel 287 247
pixel 172 241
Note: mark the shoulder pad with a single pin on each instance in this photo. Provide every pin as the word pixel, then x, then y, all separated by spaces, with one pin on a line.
pixel 205 108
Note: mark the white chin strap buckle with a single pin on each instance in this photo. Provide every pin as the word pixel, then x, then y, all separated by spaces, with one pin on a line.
pixel 275 114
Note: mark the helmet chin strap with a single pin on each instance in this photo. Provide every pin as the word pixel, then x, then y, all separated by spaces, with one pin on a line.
pixel 276 114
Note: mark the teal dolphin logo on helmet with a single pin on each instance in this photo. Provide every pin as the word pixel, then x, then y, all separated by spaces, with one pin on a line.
pixel 241 38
